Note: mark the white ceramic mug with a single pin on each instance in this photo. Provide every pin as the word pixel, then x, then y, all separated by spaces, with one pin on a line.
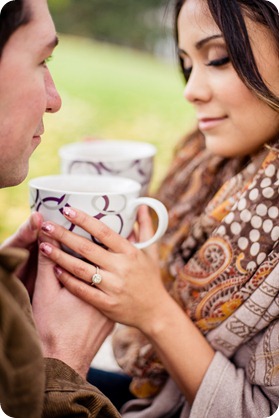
pixel 121 158
pixel 112 200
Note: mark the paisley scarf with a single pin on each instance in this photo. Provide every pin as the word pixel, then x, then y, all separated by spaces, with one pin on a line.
pixel 221 245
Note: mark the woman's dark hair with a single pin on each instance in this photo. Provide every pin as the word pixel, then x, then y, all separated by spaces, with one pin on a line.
pixel 13 15
pixel 229 17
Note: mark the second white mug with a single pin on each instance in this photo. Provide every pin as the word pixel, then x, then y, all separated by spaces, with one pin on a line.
pixel 120 158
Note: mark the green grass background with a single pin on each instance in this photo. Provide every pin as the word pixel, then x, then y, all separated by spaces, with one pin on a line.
pixel 107 92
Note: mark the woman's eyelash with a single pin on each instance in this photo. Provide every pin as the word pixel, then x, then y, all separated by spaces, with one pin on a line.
pixel 219 62
pixel 214 63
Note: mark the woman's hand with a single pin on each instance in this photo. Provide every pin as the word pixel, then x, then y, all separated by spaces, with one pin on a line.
pixel 131 292
pixel 131 289
pixel 70 329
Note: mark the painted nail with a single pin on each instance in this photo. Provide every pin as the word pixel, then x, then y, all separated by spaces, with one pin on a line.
pixel 46 249
pixel 46 227
pixel 57 271
pixel 69 212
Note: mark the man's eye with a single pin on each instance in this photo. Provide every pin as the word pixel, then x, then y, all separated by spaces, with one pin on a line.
pixel 219 62
pixel 47 60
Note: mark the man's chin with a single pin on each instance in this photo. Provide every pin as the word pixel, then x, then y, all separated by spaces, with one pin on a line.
pixel 14 179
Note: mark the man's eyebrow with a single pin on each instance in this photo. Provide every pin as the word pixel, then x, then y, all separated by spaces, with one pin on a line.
pixel 201 43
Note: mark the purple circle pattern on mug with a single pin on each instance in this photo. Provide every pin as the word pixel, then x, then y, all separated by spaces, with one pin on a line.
pixel 139 170
pixel 112 200
pixel 40 201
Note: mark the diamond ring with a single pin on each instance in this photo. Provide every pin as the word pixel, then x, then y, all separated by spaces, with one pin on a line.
pixel 96 278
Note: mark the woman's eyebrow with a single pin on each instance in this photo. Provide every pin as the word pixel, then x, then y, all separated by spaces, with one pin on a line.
pixel 201 43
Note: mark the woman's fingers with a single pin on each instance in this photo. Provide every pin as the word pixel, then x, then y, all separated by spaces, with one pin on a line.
pixel 85 248
pixel 78 268
pixel 74 265
pixel 79 245
pixel 90 295
pixel 98 229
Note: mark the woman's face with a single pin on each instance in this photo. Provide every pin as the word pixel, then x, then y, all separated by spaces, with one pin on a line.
pixel 233 120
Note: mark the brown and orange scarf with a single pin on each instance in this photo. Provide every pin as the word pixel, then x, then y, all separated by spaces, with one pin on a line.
pixel 221 244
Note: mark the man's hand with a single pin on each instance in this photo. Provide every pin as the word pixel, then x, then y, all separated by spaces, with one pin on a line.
pixel 27 237
pixel 27 233
pixel 70 329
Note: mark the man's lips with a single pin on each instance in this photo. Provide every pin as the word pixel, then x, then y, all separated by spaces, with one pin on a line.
pixel 40 129
pixel 37 134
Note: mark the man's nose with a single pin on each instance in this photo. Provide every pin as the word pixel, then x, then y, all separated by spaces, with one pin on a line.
pixel 53 97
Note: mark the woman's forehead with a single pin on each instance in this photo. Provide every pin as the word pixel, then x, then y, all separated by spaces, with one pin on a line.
pixel 195 21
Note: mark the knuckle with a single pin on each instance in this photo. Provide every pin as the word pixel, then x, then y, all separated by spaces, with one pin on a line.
pixel 82 218
pixel 132 252
pixel 111 305
pixel 75 286
pixel 85 248
pixel 56 255
pixel 104 232
pixel 80 270
pixel 65 279
pixel 62 234
pixel 80 290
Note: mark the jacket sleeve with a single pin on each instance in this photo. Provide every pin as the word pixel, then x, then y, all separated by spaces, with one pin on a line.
pixel 250 391
pixel 21 361
pixel 67 394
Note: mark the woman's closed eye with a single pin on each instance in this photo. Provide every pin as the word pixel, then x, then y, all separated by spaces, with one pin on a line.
pixel 212 63
pixel 218 62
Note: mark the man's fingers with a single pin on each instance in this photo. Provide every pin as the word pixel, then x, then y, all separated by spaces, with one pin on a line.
pixel 27 234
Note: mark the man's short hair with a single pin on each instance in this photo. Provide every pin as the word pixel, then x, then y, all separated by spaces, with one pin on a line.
pixel 13 15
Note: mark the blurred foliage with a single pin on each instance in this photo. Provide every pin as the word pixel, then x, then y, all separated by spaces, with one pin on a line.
pixel 134 23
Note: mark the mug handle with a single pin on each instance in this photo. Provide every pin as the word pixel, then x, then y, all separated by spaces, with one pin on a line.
pixel 163 218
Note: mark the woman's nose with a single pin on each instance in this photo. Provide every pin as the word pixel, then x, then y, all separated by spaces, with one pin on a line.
pixel 197 88
pixel 53 97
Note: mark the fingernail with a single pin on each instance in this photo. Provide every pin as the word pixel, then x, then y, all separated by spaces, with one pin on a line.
pixel 46 249
pixel 69 212
pixel 57 271
pixel 46 227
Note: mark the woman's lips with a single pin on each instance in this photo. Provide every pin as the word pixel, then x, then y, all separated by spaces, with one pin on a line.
pixel 206 124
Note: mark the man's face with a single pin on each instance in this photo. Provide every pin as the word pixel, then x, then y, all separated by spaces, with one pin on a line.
pixel 27 91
